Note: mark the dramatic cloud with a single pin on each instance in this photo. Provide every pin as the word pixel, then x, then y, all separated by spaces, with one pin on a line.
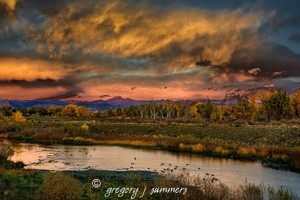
pixel 16 92
pixel 254 71
pixel 11 4
pixel 147 49
pixel 137 30
pixel 295 38
pixel 29 69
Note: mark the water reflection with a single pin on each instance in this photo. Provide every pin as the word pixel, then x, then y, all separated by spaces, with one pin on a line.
pixel 231 172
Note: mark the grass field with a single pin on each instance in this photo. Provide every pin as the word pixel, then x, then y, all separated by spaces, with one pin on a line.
pixel 277 142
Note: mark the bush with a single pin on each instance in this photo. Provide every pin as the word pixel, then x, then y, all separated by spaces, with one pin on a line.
pixel 219 151
pixel 58 186
pixel 251 192
pixel 84 128
pixel 246 152
pixel 15 185
pixel 280 194
pixel 18 117
pixel 192 147
pixel 5 152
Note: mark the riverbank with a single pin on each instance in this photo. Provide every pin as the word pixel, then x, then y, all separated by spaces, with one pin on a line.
pixel 276 144
pixel 37 184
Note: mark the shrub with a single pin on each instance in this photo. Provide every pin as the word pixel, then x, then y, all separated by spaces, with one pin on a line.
pixel 14 185
pixel 5 152
pixel 252 192
pixel 280 194
pixel 219 151
pixel 246 152
pixel 192 147
pixel 18 117
pixel 58 186
pixel 84 128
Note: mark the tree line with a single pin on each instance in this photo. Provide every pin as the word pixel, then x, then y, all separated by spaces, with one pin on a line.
pixel 267 105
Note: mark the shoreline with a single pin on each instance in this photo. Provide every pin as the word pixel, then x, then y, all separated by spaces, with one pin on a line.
pixel 263 162
pixel 276 146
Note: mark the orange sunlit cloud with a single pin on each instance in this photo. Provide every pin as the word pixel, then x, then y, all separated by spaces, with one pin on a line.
pixel 30 69
pixel 145 49
pixel 13 92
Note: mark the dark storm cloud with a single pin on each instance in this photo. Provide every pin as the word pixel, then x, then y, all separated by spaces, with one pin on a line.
pixel 74 92
pixel 38 83
pixel 269 58
pixel 153 42
pixel 7 9
pixel 295 37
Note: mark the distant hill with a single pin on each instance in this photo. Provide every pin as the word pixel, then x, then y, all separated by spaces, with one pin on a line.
pixel 112 103
pixel 118 101
pixel 31 103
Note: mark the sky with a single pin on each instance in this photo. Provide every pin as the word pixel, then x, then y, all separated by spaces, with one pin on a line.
pixel 147 49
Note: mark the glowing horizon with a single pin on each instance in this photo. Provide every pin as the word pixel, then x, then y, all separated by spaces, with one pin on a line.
pixel 147 50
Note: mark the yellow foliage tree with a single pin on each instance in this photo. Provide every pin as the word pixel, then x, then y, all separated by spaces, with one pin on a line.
pixel 75 111
pixel 18 117
pixel 193 110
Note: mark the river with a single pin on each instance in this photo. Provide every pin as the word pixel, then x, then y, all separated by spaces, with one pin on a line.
pixel 229 171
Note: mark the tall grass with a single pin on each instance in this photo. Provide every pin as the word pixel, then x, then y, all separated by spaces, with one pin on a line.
pixel 30 184
pixel 274 142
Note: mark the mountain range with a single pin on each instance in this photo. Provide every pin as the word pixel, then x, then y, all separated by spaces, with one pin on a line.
pixel 111 103
pixel 119 101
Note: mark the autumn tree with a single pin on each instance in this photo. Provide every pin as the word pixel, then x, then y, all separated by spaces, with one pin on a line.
pixel 70 110
pixel 82 111
pixel 277 106
pixel 254 100
pixel 153 108
pixel 143 111
pixel 18 117
pixel 119 112
pixel 109 113
pixel 296 102
pixel 75 111
pixel 193 111
pixel 225 112
pixel 207 110
pixel 244 109
pixel 54 110
pixel 131 111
